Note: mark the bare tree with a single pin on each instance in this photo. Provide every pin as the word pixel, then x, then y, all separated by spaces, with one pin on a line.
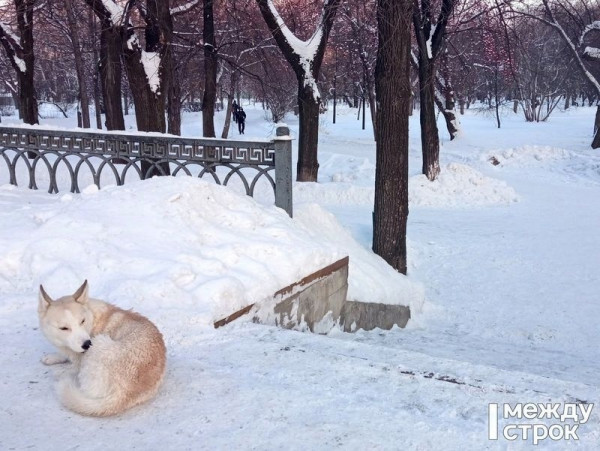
pixel 305 58
pixel 111 43
pixel 210 71
pixel 430 41
pixel 392 84
pixel 19 50
pixel 148 67
pixel 576 25
pixel 59 23
pixel 358 16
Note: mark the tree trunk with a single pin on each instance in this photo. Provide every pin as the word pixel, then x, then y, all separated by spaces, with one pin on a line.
pixel 27 98
pixel 110 74
pixel 392 83
pixel 430 43
pixel 125 91
pixel 96 80
pixel 77 54
pixel 230 97
pixel 596 141
pixel 373 110
pixel 430 140
pixel 149 106
pixel 149 97
pixel 449 117
pixel 449 111
pixel 210 71
pixel 27 95
pixel 174 102
pixel 308 109
pixel 308 98
pixel 148 89
pixel 227 124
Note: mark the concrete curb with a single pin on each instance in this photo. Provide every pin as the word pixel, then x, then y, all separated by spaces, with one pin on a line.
pixel 318 303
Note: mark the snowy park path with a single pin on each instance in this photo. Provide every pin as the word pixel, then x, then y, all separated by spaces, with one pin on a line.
pixel 255 387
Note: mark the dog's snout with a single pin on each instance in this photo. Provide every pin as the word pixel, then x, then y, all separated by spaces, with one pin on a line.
pixel 86 344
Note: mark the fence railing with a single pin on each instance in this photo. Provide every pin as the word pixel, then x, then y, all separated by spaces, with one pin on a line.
pixel 59 157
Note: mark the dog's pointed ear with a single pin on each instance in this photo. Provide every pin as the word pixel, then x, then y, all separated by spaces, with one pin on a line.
pixel 81 295
pixel 44 300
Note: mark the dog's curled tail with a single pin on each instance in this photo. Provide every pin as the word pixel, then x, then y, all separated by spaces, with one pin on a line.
pixel 74 398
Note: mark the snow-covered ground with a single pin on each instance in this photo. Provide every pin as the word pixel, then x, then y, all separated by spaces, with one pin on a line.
pixel 507 256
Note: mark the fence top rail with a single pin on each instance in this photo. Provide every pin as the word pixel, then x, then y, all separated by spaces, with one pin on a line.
pixel 141 145
pixel 146 154
pixel 131 136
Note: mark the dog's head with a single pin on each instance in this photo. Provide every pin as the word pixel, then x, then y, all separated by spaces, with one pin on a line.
pixel 67 322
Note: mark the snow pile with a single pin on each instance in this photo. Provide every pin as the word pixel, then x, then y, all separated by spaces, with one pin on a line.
pixel 344 168
pixel 343 180
pixel 459 185
pixel 333 193
pixel 166 244
pixel 527 156
pixel 370 278
pixel 351 181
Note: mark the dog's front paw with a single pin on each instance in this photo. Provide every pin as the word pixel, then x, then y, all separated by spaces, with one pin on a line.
pixel 54 359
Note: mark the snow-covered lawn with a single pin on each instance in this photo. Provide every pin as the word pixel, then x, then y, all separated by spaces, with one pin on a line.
pixel 507 256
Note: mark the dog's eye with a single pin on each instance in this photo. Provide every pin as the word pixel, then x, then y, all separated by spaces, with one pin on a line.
pixel 64 328
pixel 83 321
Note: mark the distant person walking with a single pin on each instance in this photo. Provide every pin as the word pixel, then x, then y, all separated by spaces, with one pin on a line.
pixel 241 120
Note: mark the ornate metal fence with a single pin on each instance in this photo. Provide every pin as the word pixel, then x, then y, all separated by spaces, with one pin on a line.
pixel 57 156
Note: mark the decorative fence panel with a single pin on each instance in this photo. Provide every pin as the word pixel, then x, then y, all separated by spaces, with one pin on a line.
pixel 61 157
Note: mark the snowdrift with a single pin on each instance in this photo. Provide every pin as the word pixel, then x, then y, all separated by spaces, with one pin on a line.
pixel 178 243
pixel 459 185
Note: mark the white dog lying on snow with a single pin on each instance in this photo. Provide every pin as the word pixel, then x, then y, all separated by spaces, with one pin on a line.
pixel 118 356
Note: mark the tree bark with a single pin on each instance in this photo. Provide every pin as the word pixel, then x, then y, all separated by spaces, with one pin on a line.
pixel 27 93
pixel 210 71
pixel 27 99
pixel 449 117
pixel 96 61
pixel 110 76
pixel 496 98
pixel 308 139
pixel 149 97
pixel 596 141
pixel 430 42
pixel 230 97
pixel 449 110
pixel 77 54
pixel 393 93
pixel 430 140
pixel 174 102
pixel 149 106
pixel 20 54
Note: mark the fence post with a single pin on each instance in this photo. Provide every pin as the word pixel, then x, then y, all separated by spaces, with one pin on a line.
pixel 283 169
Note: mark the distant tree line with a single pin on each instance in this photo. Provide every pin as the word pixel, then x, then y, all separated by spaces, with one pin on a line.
pixel 160 57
